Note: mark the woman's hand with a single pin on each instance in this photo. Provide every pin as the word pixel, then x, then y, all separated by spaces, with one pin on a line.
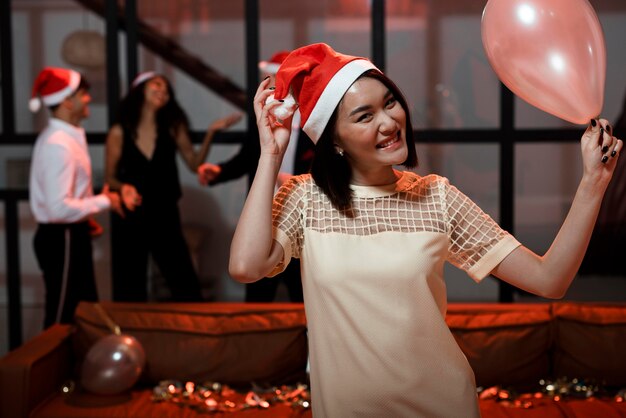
pixel 273 135
pixel 600 152
pixel 130 197
pixel 208 172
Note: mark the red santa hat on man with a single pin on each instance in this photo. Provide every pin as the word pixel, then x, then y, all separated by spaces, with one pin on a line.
pixel 52 86
pixel 317 77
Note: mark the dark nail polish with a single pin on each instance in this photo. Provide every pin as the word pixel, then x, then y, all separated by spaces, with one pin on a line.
pixel 601 133
pixel 613 153
pixel 281 100
pixel 605 159
pixel 266 78
pixel 272 88
pixel 593 123
pixel 609 129
pixel 605 149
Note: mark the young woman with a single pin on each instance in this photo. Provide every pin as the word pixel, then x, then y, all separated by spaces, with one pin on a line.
pixel 141 164
pixel 373 240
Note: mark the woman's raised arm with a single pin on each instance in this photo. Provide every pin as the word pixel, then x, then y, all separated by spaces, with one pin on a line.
pixel 550 275
pixel 254 252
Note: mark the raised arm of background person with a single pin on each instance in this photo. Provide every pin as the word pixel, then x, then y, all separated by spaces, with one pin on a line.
pixel 242 163
pixel 194 158
pixel 254 252
pixel 551 275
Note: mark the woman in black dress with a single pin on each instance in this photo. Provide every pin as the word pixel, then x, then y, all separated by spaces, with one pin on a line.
pixel 141 164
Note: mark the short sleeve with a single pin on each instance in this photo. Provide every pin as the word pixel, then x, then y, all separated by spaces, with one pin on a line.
pixel 287 216
pixel 477 244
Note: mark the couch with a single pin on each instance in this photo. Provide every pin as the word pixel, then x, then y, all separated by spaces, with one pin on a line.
pixel 260 348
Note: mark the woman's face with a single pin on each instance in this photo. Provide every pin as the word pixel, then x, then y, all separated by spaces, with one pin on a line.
pixel 155 92
pixel 371 127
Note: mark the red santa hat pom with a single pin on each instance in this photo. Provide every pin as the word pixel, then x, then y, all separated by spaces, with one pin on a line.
pixel 317 77
pixel 52 86
pixel 271 66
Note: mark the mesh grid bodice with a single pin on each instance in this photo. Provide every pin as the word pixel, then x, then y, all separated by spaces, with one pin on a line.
pixel 413 204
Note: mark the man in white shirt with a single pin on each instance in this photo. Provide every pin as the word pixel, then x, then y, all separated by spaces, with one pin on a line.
pixel 61 194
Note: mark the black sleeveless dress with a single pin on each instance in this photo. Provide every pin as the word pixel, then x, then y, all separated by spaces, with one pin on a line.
pixel 154 228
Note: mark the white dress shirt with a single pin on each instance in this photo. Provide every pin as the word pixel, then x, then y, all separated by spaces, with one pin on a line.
pixel 60 176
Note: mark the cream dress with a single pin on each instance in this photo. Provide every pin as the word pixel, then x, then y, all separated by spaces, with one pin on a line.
pixel 375 297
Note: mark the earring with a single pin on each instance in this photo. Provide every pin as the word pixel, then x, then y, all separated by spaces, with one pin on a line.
pixel 340 152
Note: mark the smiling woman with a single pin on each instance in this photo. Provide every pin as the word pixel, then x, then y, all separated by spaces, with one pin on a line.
pixel 141 164
pixel 373 240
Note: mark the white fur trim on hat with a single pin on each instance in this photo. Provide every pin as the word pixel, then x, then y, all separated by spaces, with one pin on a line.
pixel 331 96
pixel 141 77
pixel 269 67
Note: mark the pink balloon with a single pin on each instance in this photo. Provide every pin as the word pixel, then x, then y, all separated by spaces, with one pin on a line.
pixel 112 365
pixel 551 53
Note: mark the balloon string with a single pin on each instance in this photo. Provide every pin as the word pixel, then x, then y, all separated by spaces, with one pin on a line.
pixel 107 320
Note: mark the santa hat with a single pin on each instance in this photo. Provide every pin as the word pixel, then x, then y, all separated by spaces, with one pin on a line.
pixel 317 77
pixel 271 66
pixel 142 77
pixel 52 86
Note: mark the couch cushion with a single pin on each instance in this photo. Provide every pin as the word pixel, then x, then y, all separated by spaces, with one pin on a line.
pixel 591 342
pixel 232 343
pixel 506 344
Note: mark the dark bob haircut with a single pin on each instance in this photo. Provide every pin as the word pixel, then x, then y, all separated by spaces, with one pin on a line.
pixel 332 172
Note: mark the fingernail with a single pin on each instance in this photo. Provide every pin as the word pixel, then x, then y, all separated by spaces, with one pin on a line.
pixel 609 128
pixel 613 153
pixel 601 133
pixel 269 77
pixel 272 88
pixel 605 149
pixel 593 123
pixel 605 159
pixel 281 100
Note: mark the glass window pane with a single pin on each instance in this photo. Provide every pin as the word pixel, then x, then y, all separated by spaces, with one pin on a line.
pixel 435 54
pixel 211 31
pixel 546 178
pixel 60 34
pixel 344 25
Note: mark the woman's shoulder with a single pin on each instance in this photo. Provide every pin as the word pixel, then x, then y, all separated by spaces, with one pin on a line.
pixel 302 187
pixel 301 180
pixel 116 132
pixel 298 184
pixel 413 181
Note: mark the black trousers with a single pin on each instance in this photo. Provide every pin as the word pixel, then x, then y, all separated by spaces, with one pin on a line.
pixel 264 290
pixel 152 229
pixel 64 254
